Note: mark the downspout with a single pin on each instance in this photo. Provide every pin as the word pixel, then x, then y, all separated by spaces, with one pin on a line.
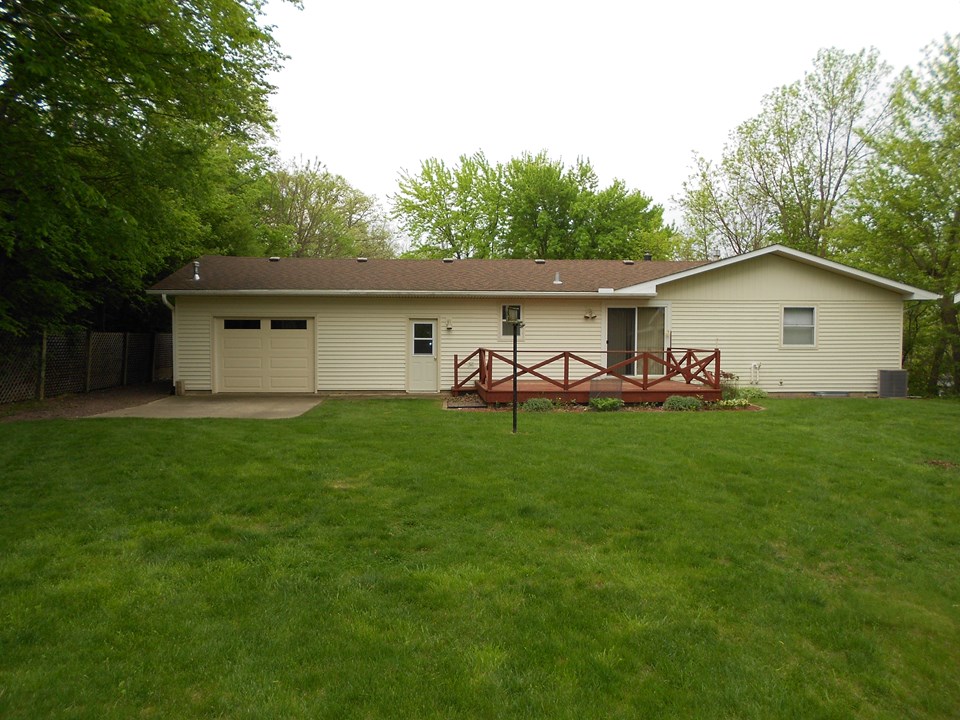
pixel 173 338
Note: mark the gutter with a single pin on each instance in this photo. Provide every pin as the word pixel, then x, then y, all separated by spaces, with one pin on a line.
pixel 604 292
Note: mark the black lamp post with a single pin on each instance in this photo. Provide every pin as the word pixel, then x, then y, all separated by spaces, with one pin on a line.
pixel 513 317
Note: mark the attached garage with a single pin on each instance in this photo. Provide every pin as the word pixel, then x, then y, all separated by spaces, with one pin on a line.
pixel 264 355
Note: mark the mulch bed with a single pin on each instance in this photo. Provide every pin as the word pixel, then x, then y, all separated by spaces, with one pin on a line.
pixel 472 401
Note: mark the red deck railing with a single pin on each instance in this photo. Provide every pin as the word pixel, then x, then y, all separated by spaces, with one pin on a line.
pixel 692 366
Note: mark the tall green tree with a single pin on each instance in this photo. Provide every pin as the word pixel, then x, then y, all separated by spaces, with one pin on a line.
pixel 541 196
pixel 785 174
pixel 532 206
pixel 452 211
pixel 111 113
pixel 905 222
pixel 316 213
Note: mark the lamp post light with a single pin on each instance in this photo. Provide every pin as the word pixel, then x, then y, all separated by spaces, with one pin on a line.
pixel 513 317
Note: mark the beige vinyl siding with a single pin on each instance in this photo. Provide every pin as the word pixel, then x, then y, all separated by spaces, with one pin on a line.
pixel 740 310
pixel 772 278
pixel 363 343
pixel 194 347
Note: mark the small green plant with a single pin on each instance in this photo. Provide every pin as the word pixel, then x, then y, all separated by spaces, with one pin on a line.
pixel 751 393
pixel 682 403
pixel 729 385
pixel 538 405
pixel 606 404
pixel 731 404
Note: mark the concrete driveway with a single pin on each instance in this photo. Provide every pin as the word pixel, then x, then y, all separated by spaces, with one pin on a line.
pixel 259 407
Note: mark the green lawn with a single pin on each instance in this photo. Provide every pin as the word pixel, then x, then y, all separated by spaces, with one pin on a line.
pixel 387 559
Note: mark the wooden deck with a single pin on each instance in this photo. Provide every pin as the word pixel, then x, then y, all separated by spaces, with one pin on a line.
pixel 581 393
pixel 572 377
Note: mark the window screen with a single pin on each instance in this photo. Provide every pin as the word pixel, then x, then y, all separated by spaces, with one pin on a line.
pixel 799 326
pixel 506 328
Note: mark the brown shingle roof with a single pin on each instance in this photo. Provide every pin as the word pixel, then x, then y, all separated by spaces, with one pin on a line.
pixel 311 275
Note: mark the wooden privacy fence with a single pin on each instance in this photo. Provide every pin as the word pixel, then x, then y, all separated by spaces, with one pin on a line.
pixel 566 370
pixel 56 364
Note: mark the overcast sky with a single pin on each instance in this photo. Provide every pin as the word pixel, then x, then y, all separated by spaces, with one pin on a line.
pixel 375 87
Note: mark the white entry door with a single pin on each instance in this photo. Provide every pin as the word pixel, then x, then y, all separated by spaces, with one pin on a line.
pixel 422 366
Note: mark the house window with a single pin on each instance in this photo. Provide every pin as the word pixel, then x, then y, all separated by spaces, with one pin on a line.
pixel 506 328
pixel 799 326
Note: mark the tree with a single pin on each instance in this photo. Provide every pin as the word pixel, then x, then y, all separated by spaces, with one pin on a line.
pixel 532 206
pixel 784 175
pixel 452 212
pixel 541 197
pixel 111 112
pixel 316 213
pixel 905 220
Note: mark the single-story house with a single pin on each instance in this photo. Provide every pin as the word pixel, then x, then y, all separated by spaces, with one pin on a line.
pixel 783 320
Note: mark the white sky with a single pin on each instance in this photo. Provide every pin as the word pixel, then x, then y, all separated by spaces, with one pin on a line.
pixel 373 87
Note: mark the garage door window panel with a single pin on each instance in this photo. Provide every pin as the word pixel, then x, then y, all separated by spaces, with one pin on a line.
pixel 288 324
pixel 241 324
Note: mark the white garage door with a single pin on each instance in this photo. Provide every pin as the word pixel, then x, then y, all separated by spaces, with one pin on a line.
pixel 265 355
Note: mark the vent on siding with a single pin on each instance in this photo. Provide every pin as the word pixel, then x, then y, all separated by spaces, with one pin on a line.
pixel 892 383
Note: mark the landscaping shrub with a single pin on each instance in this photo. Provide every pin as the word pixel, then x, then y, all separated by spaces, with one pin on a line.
pixel 751 393
pixel 682 403
pixel 731 404
pixel 729 385
pixel 606 404
pixel 538 405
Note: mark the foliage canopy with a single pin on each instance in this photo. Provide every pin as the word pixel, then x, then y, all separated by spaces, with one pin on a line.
pixel 905 219
pixel 124 127
pixel 784 175
pixel 531 206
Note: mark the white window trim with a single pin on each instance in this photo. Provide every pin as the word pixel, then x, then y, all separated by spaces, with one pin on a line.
pixel 816 321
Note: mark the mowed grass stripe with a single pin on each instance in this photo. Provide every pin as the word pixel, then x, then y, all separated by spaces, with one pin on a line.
pixel 383 558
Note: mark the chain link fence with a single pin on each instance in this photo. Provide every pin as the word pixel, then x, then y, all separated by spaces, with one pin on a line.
pixel 35 368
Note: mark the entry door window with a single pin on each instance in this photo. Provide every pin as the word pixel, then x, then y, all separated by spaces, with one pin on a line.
pixel 423 338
